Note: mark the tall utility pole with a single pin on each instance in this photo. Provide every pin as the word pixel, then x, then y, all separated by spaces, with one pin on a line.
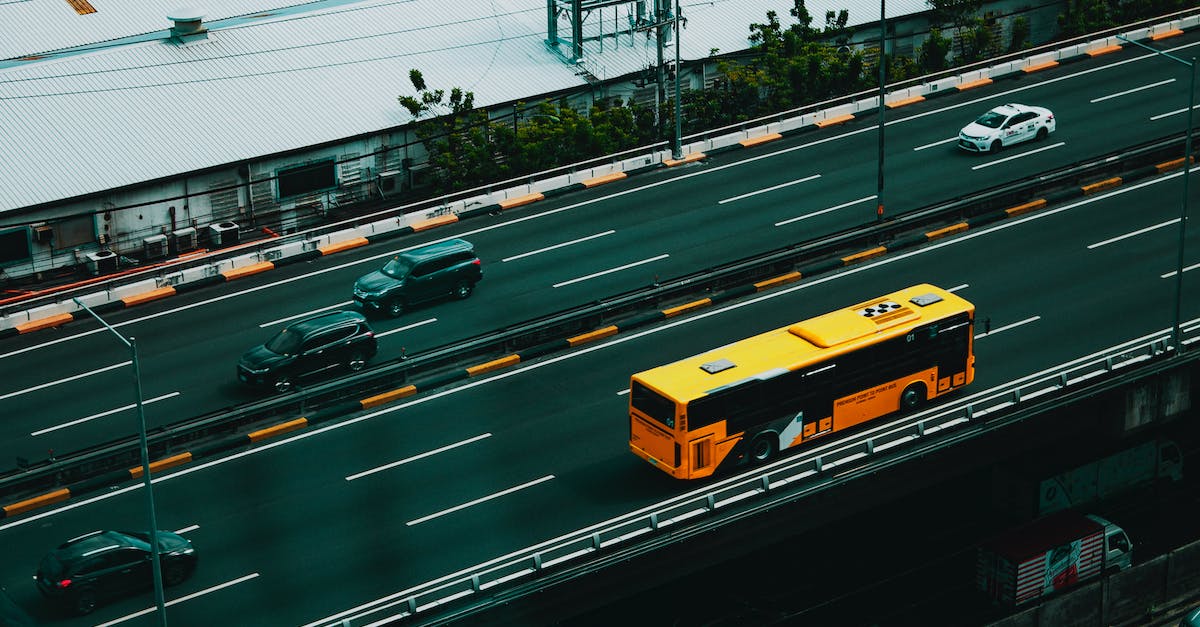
pixel 659 75
pixel 882 108
pixel 155 562
pixel 677 145
pixel 1176 339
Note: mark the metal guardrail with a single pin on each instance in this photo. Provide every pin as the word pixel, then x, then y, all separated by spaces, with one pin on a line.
pixel 163 441
pixel 539 567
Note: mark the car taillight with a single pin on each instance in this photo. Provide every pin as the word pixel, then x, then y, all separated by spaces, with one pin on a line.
pixel 64 583
pixel 477 263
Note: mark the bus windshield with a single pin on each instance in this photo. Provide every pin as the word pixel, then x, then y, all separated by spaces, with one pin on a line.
pixel 652 404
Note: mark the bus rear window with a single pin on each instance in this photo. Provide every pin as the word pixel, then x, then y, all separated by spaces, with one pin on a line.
pixel 652 404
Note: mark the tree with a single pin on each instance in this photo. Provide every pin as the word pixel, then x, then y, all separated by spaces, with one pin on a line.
pixel 457 137
pixel 934 53
pixel 958 13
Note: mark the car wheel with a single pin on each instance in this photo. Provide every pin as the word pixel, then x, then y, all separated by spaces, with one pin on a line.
pixel 85 602
pixel 912 397
pixel 174 574
pixel 1042 133
pixel 764 447
pixel 283 383
pixel 357 361
pixel 395 307
pixel 463 290
pixel 997 146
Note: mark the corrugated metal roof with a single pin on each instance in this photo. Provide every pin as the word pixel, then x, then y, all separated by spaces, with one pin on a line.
pixel 30 27
pixel 84 123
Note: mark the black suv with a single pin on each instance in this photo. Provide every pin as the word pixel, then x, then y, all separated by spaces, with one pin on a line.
pixel 448 268
pixel 309 347
pixel 102 565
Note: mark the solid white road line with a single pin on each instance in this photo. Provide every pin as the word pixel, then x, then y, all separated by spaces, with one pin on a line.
pixel 407 327
pixel 416 457
pixel 770 189
pixel 181 599
pixel 104 413
pixel 1006 327
pixel 1174 272
pixel 187 529
pixel 817 213
pixel 66 380
pixel 1133 234
pixel 1130 91
pixel 937 143
pixel 1024 154
pixel 480 500
pixel 306 314
pixel 574 241
pixel 617 269
pixel 1155 118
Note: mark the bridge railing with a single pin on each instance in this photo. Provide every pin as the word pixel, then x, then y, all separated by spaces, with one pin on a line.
pixel 788 479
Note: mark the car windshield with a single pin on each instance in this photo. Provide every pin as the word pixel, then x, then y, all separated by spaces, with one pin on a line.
pixel 397 268
pixel 991 119
pixel 286 342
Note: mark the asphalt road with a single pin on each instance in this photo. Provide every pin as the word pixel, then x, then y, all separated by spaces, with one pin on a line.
pixel 292 532
pixel 68 388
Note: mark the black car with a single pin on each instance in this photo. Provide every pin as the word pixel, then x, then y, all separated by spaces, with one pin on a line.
pixel 338 339
pixel 103 565
pixel 448 268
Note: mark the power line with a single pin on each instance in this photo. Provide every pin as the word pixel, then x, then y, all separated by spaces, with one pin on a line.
pixel 345 40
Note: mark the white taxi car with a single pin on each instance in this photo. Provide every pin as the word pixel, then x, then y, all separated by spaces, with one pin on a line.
pixel 1006 125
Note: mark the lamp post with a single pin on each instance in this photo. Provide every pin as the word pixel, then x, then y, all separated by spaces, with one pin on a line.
pixel 155 563
pixel 1187 169
pixel 677 153
pixel 882 108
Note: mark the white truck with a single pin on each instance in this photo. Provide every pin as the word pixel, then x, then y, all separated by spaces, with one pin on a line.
pixel 1048 555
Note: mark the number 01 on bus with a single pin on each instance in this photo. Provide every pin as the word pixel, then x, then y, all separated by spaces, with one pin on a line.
pixel 745 402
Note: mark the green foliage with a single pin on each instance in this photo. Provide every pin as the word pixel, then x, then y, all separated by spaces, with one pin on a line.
pixel 792 67
pixel 1020 34
pixel 789 66
pixel 935 52
pixel 977 41
pixel 1084 16
pixel 467 149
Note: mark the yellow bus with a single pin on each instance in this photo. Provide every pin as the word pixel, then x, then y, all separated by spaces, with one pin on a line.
pixel 745 402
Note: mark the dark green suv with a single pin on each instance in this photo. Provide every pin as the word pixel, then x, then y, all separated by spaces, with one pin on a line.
pixel 101 565
pixel 448 268
pixel 309 347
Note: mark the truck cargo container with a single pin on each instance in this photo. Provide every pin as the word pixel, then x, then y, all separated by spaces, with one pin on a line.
pixel 1048 555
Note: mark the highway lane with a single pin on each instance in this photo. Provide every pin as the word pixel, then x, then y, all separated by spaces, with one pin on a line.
pixel 477 471
pixel 577 248
pixel 668 224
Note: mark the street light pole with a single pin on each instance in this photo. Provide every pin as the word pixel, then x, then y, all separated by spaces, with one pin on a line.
pixel 1183 212
pixel 882 108
pixel 1176 339
pixel 678 152
pixel 155 563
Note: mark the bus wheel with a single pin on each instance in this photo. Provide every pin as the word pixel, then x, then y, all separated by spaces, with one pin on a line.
pixel 764 447
pixel 912 397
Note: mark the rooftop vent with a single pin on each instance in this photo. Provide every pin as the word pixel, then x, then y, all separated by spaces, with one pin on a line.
pixel 188 25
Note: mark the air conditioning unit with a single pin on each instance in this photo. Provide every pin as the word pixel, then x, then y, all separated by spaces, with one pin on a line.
pixel 43 234
pixel 155 247
pixel 222 234
pixel 183 240
pixel 101 262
